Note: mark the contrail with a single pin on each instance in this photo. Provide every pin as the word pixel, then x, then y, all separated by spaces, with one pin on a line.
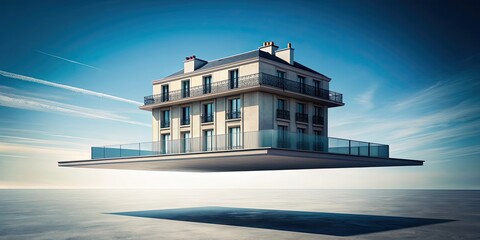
pixel 68 60
pixel 70 88
pixel 17 101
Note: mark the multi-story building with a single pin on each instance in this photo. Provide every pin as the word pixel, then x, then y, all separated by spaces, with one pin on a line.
pixel 259 110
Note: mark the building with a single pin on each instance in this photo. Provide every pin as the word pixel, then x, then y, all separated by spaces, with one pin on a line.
pixel 259 110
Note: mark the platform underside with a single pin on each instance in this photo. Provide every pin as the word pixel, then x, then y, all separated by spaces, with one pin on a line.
pixel 241 160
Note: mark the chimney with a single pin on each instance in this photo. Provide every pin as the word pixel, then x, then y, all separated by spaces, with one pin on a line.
pixel 269 47
pixel 192 63
pixel 286 54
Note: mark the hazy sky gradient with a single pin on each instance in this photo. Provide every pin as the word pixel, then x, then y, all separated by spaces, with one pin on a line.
pixel 72 74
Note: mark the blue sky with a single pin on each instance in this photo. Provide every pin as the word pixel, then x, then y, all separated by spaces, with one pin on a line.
pixel 72 75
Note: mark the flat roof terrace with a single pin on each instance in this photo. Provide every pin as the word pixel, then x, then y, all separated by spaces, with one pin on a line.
pixel 249 151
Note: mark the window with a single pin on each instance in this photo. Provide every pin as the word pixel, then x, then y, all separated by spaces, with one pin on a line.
pixel 165 93
pixel 233 78
pixel 208 140
pixel 282 111
pixel 185 116
pixel 234 138
pixel 282 136
pixel 207 84
pixel 318 115
pixel 316 88
pixel 185 88
pixel 317 140
pixel 301 82
pixel 282 104
pixel 301 139
pixel 165 143
pixel 234 109
pixel 281 74
pixel 165 122
pixel 300 108
pixel 301 115
pixel 186 142
pixel 207 112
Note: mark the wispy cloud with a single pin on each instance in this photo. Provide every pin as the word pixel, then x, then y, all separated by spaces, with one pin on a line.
pixel 38 104
pixel 69 60
pixel 66 87
pixel 366 99
pixel 438 122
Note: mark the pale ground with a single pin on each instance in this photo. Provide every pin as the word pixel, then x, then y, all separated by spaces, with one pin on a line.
pixel 87 214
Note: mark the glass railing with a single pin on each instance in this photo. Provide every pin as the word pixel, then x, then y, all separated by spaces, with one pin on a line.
pixel 247 140
pixel 259 79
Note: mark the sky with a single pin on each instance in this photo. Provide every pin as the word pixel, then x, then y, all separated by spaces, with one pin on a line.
pixel 72 75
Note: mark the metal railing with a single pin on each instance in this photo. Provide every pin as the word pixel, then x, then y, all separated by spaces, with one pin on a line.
pixel 207 118
pixel 164 124
pixel 248 140
pixel 283 114
pixel 318 120
pixel 252 80
pixel 301 117
pixel 234 115
pixel 185 121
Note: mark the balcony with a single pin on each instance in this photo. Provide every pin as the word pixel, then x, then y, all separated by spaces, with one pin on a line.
pixel 165 124
pixel 283 114
pixel 234 115
pixel 247 140
pixel 248 81
pixel 301 117
pixel 185 121
pixel 207 118
pixel 319 120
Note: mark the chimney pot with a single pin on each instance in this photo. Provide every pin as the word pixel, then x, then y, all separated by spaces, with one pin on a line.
pixel 289 45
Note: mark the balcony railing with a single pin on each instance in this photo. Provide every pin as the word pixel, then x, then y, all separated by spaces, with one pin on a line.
pixel 165 124
pixel 247 140
pixel 318 120
pixel 259 79
pixel 207 118
pixel 301 117
pixel 185 121
pixel 283 114
pixel 234 115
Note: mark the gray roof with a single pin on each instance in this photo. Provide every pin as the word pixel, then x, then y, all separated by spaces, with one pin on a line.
pixel 248 55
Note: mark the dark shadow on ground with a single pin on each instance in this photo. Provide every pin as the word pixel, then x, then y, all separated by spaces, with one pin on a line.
pixel 336 224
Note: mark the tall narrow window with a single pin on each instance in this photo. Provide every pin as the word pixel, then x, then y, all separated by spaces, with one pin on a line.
pixel 165 143
pixel 300 108
pixel 165 93
pixel 234 109
pixel 318 115
pixel 282 109
pixel 301 83
pixel 208 140
pixel 186 142
pixel 317 140
pixel 316 88
pixel 301 115
pixel 281 74
pixel 301 139
pixel 233 78
pixel 282 140
pixel 208 112
pixel 185 88
pixel 234 138
pixel 207 84
pixel 165 122
pixel 185 115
